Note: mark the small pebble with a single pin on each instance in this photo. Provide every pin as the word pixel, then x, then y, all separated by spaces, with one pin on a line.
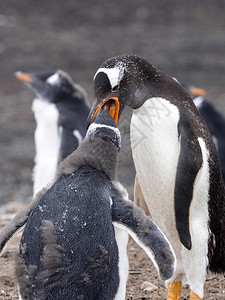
pixel 148 287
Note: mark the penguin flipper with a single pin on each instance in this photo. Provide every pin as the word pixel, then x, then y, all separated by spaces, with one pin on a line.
pixel 189 164
pixel 16 225
pixel 146 234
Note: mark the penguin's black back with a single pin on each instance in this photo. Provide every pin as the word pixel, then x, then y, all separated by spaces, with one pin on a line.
pixel 71 117
pixel 78 236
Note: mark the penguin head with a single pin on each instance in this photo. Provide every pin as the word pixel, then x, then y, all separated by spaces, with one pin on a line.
pixel 121 81
pixel 104 127
pixel 51 86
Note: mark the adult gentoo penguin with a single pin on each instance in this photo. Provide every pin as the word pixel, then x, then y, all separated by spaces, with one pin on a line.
pixel 74 242
pixel 60 110
pixel 176 163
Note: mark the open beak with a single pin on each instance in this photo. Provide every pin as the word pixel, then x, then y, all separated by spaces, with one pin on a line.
pixel 23 76
pixel 113 107
pixel 197 92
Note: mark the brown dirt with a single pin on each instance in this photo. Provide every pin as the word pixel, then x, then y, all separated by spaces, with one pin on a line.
pixel 141 270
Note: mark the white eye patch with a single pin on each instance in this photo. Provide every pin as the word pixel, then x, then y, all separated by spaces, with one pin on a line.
pixel 114 74
pixel 54 79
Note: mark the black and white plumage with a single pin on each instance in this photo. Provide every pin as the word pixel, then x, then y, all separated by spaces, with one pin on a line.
pixel 60 109
pixel 176 162
pixel 214 120
pixel 74 242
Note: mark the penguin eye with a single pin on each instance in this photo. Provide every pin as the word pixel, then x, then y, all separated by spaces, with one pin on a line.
pixel 115 88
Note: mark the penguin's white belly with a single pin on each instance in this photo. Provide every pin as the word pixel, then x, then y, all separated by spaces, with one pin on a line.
pixel 47 143
pixel 156 148
pixel 122 240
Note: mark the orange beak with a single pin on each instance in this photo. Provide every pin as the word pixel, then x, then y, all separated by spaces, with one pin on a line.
pixel 197 92
pixel 113 107
pixel 23 77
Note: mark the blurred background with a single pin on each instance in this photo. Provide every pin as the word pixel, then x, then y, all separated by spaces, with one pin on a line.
pixel 185 39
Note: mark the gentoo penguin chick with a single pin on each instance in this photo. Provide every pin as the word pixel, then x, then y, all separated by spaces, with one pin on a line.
pixel 74 242
pixel 176 163
pixel 214 120
pixel 60 110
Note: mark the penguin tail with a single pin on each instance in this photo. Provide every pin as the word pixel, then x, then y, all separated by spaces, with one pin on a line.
pixel 216 254
pixel 24 275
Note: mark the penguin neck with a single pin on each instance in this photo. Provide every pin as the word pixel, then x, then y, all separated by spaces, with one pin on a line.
pixel 71 108
pixel 71 102
pixel 155 83
pixel 97 153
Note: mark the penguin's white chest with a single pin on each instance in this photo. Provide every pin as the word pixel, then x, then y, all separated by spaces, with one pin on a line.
pixel 156 148
pixel 47 143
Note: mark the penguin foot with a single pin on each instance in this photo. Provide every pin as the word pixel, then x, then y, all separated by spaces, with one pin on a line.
pixel 193 296
pixel 174 290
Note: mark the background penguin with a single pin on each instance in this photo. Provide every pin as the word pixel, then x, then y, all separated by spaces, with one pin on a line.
pixel 176 163
pixel 69 249
pixel 60 110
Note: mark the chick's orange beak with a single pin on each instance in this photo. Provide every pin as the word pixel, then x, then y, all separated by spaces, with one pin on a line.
pixel 113 107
